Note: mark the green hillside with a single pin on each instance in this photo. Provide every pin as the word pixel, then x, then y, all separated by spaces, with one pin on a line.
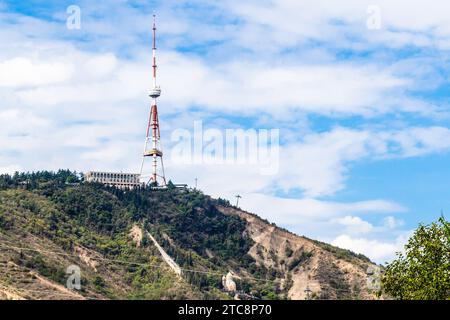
pixel 49 221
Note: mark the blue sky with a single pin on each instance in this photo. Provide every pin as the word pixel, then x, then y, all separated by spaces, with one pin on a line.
pixel 362 112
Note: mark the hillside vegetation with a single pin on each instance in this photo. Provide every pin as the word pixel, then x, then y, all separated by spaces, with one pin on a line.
pixel 50 221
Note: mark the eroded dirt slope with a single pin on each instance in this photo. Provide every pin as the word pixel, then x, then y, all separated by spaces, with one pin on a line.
pixel 302 262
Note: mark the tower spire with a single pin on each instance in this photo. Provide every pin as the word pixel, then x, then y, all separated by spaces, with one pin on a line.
pixel 153 132
pixel 154 51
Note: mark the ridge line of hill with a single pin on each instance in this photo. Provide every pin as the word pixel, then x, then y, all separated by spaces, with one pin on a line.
pixel 57 212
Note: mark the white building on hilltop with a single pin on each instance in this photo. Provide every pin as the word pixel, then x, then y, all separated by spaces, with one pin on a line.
pixel 116 179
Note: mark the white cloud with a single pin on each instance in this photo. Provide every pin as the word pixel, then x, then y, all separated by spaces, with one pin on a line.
pixel 10 169
pixel 416 141
pixel 291 211
pixel 237 86
pixel 288 23
pixel 249 87
pixel 319 165
pixel 355 225
pixel 392 222
pixel 16 123
pixel 245 84
pixel 379 251
pixel 19 72
pixel 99 66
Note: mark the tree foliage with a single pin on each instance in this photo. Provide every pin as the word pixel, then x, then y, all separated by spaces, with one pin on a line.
pixel 423 271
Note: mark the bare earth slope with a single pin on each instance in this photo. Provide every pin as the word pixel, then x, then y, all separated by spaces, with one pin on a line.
pixel 306 263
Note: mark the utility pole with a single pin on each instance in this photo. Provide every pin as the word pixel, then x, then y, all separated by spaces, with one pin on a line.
pixel 195 183
pixel 237 200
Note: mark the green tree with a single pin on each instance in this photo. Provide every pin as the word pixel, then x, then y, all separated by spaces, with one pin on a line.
pixel 423 272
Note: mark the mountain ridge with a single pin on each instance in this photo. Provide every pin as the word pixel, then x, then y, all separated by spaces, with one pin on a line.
pixel 68 222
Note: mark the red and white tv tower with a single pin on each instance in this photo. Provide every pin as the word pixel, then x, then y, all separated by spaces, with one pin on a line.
pixel 155 153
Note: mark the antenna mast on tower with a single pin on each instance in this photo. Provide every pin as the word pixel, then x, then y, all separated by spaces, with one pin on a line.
pixel 153 132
